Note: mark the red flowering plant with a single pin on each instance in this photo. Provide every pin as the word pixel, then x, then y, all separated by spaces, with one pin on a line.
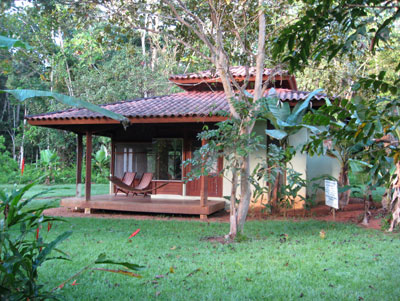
pixel 23 249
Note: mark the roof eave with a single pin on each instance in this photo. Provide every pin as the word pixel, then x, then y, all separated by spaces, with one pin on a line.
pixel 133 120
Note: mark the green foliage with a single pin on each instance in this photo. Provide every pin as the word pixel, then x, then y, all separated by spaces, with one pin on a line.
pixel 329 29
pixel 121 75
pixel 102 159
pixel 23 249
pixel 8 167
pixel 227 139
pixel 285 121
pixel 351 133
pixel 272 172
pixel 9 43
pixel 49 161
pixel 48 158
pixel 385 222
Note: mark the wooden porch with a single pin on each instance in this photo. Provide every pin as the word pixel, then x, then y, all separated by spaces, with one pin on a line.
pixel 145 204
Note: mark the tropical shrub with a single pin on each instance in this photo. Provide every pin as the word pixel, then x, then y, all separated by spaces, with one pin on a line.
pixel 22 247
pixel 49 161
pixel 101 168
pixel 274 171
pixel 8 167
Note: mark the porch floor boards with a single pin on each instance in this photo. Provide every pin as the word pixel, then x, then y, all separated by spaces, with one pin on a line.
pixel 144 204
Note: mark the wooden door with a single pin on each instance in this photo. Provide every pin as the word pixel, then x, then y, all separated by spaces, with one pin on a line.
pixel 214 182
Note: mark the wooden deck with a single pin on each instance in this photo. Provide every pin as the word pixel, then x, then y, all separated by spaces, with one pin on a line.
pixel 144 204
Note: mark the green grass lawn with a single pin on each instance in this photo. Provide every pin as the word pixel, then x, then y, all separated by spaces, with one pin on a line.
pixel 348 264
pixel 55 192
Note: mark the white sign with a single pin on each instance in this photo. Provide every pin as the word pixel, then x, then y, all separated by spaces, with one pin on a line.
pixel 331 194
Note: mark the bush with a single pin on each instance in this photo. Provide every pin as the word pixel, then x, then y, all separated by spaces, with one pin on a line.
pixel 23 249
pixel 8 167
pixel 65 175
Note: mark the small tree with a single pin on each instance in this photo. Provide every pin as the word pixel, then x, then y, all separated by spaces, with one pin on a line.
pixel 102 159
pixel 280 182
pixel 329 29
pixel 49 160
pixel 353 132
pixel 228 141
pixel 286 122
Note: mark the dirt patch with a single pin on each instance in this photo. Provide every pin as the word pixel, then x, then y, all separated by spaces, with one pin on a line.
pixel 219 239
pixel 353 213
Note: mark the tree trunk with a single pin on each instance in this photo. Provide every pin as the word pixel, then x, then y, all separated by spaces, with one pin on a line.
pixel 232 212
pixel 367 204
pixel 344 181
pixel 68 80
pixel 275 189
pixel 22 141
pixel 386 200
pixel 12 135
pixel 245 193
pixel 395 202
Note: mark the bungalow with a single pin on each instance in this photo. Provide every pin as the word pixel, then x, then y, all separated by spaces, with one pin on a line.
pixel 162 134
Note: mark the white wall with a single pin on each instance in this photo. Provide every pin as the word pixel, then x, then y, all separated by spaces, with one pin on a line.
pixel 255 158
pixel 312 167
pixel 318 166
pixel 309 167
pixel 299 161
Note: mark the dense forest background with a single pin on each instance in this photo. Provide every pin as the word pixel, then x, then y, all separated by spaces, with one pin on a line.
pixel 77 50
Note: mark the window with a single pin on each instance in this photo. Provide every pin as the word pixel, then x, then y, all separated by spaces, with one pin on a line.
pixel 162 157
pixel 168 158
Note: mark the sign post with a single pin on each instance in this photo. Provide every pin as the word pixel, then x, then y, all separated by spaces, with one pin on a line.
pixel 331 195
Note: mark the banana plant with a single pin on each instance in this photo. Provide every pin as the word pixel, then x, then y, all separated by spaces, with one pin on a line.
pixel 48 160
pixel 286 122
pixel 102 158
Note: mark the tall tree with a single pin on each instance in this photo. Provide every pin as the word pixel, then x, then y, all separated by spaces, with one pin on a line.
pixel 220 34
pixel 333 29
pixel 226 33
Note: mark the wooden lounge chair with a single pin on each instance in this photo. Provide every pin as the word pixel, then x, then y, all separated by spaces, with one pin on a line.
pixel 128 179
pixel 144 183
pixel 142 188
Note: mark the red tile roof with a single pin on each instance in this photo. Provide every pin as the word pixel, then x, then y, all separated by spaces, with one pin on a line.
pixel 190 104
pixel 237 71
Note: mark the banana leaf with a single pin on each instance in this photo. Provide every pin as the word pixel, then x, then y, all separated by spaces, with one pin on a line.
pixel 8 43
pixel 22 95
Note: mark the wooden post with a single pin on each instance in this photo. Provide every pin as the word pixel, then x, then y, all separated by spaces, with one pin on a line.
pixel 185 156
pixel 88 176
pixel 79 156
pixel 112 164
pixel 203 189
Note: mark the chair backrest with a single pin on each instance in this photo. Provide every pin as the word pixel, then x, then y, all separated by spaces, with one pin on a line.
pixel 128 178
pixel 145 181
